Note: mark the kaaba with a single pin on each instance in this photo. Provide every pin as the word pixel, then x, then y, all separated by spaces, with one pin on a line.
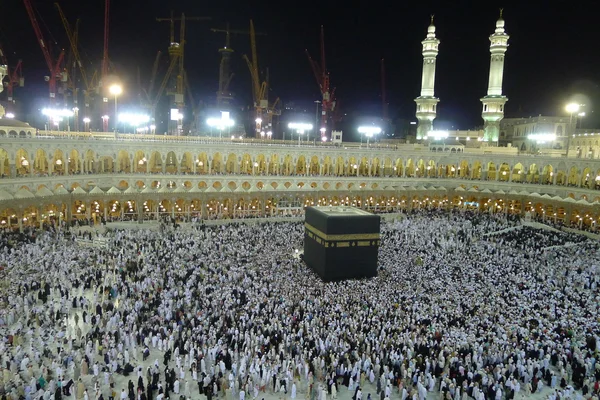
pixel 341 242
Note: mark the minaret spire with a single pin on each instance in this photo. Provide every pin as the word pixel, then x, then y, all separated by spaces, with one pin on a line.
pixel 427 102
pixel 493 103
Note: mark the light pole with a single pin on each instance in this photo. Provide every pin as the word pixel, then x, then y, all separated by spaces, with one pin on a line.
pixel 300 128
pixel 369 131
pixel 86 122
pixel 571 108
pixel 116 90
pixel 258 122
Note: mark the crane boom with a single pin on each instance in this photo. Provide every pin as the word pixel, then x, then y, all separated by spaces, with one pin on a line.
pixel 106 36
pixel 54 68
pixel 15 75
pixel 73 43
pixel 323 80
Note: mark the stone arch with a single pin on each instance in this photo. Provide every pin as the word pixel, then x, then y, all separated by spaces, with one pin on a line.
pixel 187 163
pixel 315 167
pixel 504 172
pixel 22 162
pixel 4 163
pixel 171 163
pixel 410 168
pixel 2 133
pixel 464 171
pixel 140 162
pixel 517 173
pixel 420 168
pixel 388 168
pixel 155 163
pixel 287 165
pixel 363 167
pixel 340 166
pixel 491 171
pixel 246 164
pixel 533 175
pixel 123 162
pixel 301 165
pixel 430 169
pixel 74 162
pixel 477 170
pixel 107 164
pixel 547 175
pixel 573 177
pixel 274 164
pixel 202 165
pixel 40 162
pixel 375 167
pixel 89 161
pixel 262 167
pixel 352 169
pixel 587 180
pixel 399 167
pixel 328 168
pixel 216 165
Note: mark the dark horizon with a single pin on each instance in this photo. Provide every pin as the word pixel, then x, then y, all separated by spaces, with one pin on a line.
pixel 547 63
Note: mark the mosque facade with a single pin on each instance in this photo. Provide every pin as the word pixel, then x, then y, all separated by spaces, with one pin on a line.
pixel 45 178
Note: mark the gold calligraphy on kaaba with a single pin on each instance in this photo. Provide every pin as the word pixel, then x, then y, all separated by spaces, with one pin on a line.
pixel 349 240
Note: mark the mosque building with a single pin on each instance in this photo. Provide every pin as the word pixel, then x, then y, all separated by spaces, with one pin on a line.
pixel 51 176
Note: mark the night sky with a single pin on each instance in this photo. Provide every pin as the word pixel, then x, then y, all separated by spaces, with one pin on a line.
pixel 553 52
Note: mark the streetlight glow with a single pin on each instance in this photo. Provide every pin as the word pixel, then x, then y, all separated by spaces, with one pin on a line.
pixel 115 90
pixel 87 120
pixel 9 115
pixel 134 119
pixel 369 130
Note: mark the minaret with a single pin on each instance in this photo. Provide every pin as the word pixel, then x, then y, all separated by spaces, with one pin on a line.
pixel 493 103
pixel 427 102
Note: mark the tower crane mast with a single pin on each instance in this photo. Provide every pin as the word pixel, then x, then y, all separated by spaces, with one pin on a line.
pixel 90 84
pixel 176 53
pixel 322 76
pixel 264 111
pixel 15 75
pixel 224 95
pixel 54 67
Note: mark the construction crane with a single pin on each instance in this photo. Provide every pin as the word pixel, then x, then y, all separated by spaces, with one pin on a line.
pixel 384 104
pixel 15 76
pixel 104 72
pixel 176 54
pixel 90 84
pixel 71 68
pixel 54 66
pixel 322 76
pixel 264 111
pixel 146 94
pixel 224 95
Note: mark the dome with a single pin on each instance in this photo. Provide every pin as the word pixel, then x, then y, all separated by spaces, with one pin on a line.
pixel 500 23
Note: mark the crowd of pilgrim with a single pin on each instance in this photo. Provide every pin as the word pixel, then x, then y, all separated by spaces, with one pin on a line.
pixel 228 312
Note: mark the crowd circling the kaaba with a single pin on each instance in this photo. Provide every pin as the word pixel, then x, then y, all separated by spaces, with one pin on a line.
pixel 227 311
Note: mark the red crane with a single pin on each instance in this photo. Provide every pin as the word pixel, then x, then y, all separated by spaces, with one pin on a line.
pixel 15 75
pixel 105 52
pixel 322 77
pixel 54 67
